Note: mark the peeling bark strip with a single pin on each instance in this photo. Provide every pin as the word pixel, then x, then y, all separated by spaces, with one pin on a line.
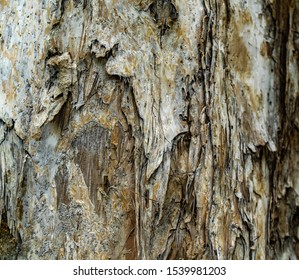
pixel 154 129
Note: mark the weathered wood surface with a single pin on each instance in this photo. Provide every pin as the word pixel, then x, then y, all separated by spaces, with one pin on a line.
pixel 155 129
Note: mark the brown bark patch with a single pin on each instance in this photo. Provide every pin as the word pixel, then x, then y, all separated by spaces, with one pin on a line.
pixel 265 49
pixel 61 180
pixel 91 154
pixel 3 3
pixel 8 244
pixel 245 17
pixel 130 245
pixel 238 54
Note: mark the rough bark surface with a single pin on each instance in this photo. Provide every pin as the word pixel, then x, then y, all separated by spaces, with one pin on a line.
pixel 155 129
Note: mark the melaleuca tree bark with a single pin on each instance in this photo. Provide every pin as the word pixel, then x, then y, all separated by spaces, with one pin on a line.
pixel 155 129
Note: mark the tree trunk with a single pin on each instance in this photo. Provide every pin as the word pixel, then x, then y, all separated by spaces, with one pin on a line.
pixel 154 129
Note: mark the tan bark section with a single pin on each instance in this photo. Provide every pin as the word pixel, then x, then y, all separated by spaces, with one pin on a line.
pixel 155 129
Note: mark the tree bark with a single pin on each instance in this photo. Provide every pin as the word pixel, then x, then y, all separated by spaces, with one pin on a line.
pixel 155 129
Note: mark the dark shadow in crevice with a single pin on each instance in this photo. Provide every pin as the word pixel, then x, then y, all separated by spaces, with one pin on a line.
pixel 8 244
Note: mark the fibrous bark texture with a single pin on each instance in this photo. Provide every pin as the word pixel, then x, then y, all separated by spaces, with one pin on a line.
pixel 149 129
